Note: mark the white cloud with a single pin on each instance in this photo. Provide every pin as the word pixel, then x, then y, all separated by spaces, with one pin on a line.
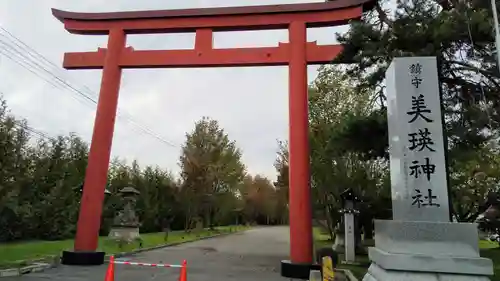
pixel 250 103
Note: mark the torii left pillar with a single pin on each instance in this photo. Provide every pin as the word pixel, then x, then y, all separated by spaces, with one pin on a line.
pixel 86 240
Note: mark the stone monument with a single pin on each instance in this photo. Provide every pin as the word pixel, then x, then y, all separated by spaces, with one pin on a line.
pixel 420 243
pixel 349 210
pixel 126 223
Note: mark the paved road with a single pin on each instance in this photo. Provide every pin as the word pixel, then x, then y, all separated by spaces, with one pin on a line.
pixel 253 255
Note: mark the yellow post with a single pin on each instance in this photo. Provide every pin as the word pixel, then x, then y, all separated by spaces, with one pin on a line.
pixel 328 273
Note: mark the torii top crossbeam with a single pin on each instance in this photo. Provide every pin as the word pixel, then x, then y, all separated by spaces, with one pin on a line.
pixel 204 22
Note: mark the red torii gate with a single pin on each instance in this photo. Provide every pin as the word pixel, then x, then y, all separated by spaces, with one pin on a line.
pixel 297 54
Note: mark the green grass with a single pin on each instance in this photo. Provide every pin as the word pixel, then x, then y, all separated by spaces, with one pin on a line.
pixel 357 270
pixel 492 251
pixel 21 253
pixel 488 249
pixel 321 239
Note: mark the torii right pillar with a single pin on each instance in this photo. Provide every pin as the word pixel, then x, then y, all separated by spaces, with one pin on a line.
pixel 299 171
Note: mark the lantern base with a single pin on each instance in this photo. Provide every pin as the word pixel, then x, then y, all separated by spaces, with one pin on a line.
pixel 126 233
pixel 297 270
pixel 82 258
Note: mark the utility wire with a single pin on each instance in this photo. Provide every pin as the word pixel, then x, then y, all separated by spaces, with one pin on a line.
pixel 13 51
pixel 38 133
pixel 28 58
pixel 126 116
pixel 37 56
pixel 22 125
pixel 29 67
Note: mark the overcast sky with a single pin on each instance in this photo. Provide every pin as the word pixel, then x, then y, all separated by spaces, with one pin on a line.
pixel 251 104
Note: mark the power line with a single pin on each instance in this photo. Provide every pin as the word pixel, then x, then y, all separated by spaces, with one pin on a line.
pixel 35 64
pixel 30 51
pixel 33 131
pixel 22 125
pixel 26 65
pixel 37 61
pixel 66 84
pixel 8 53
pixel 19 41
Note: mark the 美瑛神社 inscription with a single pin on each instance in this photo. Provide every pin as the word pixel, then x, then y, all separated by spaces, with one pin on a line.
pixel 418 171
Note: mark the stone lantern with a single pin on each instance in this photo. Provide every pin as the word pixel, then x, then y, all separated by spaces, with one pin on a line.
pixel 126 223
pixel 349 209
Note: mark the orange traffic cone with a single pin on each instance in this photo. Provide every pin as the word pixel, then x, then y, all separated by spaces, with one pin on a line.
pixel 183 276
pixel 110 273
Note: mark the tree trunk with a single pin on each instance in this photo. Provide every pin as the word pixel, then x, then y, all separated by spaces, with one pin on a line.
pixel 211 218
pixel 329 223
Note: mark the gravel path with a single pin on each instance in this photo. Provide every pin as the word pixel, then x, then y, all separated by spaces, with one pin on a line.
pixel 253 255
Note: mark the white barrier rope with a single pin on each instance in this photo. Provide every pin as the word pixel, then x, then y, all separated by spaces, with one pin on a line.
pixel 148 264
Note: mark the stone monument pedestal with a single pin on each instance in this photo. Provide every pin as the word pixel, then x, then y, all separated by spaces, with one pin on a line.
pixel 426 251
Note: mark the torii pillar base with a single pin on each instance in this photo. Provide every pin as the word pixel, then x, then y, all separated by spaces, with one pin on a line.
pixel 297 270
pixel 82 258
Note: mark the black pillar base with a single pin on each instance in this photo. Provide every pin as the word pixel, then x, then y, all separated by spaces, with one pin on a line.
pixel 82 258
pixel 297 270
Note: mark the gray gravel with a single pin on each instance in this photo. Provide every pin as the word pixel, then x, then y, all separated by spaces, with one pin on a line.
pixel 247 256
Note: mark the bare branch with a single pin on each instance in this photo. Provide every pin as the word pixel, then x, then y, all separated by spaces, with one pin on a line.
pixel 382 15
